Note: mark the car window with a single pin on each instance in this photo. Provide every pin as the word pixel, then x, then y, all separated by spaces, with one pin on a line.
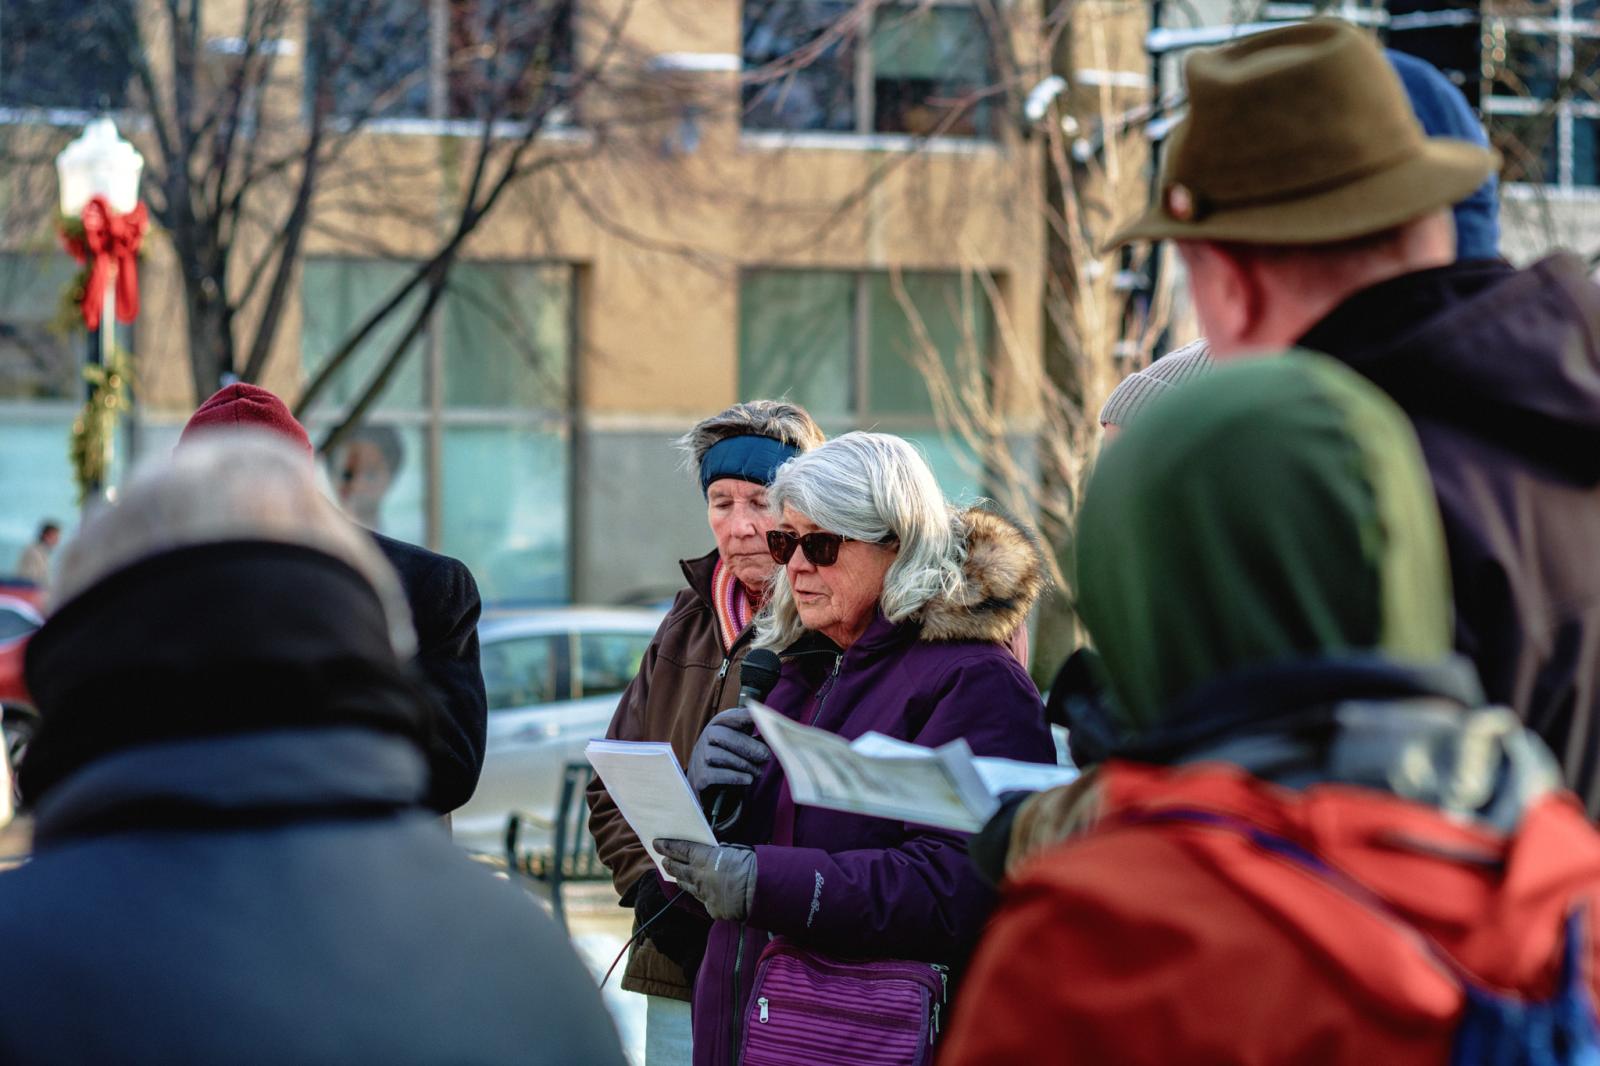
pixel 608 661
pixel 524 670
pixel 14 624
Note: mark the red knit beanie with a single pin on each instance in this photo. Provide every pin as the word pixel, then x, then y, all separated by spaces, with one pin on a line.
pixel 246 405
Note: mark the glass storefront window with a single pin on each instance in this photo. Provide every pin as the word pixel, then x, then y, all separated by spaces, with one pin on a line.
pixel 505 493
pixel 36 475
pixel 39 359
pixel 378 474
pixel 467 453
pixel 947 321
pixel 507 330
pixel 338 295
pixel 795 330
pixel 814 336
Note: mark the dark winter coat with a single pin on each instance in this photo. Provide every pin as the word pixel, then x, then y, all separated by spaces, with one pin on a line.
pixel 276 898
pixel 231 860
pixel 868 887
pixel 1499 370
pixel 683 681
pixel 444 609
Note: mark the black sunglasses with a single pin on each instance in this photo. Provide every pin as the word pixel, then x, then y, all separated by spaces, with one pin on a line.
pixel 822 549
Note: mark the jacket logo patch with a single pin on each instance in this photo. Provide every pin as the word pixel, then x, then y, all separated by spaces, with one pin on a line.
pixel 816 900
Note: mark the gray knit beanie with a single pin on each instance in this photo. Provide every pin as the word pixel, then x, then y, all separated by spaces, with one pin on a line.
pixel 1142 386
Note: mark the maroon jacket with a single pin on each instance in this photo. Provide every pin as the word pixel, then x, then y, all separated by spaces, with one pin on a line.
pixel 1499 370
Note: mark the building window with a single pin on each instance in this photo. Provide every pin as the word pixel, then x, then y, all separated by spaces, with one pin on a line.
pixel 1543 110
pixel 908 67
pixel 442 59
pixel 41 353
pixel 858 351
pixel 67 56
pixel 468 450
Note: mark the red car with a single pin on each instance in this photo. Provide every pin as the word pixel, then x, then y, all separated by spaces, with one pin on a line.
pixel 20 615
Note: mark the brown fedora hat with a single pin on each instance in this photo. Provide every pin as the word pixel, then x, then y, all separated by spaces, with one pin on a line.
pixel 1301 135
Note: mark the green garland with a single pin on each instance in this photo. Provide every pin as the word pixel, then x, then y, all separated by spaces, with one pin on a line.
pixel 95 428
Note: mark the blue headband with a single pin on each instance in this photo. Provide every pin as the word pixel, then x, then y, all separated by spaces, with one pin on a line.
pixel 754 459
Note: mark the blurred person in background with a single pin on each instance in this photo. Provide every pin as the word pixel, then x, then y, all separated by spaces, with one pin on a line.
pixel 691 672
pixel 1313 833
pixel 33 565
pixel 1331 229
pixel 1140 387
pixel 444 604
pixel 363 469
pixel 232 861
pixel 891 613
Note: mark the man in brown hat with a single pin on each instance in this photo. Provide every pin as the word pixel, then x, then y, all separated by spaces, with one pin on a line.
pixel 1311 210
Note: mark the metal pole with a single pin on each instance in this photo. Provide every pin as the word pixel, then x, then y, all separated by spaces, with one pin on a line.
pixel 108 347
pixel 101 341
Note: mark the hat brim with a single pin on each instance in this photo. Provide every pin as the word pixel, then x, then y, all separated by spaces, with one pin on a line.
pixel 1441 174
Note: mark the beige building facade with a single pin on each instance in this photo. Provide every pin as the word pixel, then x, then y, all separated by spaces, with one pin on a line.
pixel 690 239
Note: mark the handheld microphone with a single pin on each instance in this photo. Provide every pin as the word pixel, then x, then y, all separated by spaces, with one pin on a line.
pixel 758 674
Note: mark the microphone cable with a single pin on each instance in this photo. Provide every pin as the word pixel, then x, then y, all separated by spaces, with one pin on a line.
pixel 637 933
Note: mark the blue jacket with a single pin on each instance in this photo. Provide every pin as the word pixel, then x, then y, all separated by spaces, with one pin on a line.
pixel 275 897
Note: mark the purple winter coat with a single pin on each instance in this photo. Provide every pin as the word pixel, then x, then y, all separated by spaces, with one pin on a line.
pixel 869 887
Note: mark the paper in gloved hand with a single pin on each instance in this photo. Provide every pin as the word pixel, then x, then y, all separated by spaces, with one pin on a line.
pixel 646 783
pixel 888 778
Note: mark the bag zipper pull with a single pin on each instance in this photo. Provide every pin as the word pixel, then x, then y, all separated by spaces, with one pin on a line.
pixel 935 1030
pixel 944 981
pixel 762 1003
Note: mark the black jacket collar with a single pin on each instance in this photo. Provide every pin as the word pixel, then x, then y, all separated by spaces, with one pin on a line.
pixel 244 779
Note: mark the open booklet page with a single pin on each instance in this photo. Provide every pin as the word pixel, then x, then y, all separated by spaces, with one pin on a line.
pixel 889 778
pixel 645 781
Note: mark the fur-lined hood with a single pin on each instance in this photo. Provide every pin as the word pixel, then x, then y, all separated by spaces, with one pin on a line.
pixel 1004 574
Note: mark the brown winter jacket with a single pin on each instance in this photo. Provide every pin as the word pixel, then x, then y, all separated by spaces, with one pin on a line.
pixel 682 683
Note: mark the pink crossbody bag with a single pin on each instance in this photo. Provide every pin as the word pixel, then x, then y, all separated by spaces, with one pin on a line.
pixel 811 1009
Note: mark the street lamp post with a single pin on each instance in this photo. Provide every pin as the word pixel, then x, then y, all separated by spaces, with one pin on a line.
pixel 100 166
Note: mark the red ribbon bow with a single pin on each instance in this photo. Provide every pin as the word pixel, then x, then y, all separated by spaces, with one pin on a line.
pixel 110 243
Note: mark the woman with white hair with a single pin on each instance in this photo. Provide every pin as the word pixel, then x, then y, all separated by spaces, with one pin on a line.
pixel 890 613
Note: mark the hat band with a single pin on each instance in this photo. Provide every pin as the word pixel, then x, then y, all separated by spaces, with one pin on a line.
pixel 749 458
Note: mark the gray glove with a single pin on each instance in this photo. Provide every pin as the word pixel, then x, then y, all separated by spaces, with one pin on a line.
pixel 722 877
pixel 726 753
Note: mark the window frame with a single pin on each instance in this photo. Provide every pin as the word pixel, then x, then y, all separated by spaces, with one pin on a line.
pixel 434 416
pixel 558 122
pixel 1564 31
pixel 860 415
pixel 864 136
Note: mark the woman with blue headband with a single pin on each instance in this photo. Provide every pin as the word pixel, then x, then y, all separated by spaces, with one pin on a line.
pixel 691 673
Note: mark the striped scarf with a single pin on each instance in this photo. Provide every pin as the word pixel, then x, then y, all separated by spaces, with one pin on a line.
pixel 734 609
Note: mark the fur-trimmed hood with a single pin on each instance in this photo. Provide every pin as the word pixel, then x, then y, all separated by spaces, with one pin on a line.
pixel 1003 576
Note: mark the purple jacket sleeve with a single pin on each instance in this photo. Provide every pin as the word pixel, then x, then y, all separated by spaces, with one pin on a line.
pixel 921 898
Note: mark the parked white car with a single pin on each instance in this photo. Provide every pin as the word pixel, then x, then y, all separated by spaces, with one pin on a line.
pixel 553 678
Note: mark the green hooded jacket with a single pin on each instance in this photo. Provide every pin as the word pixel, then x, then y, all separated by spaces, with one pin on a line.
pixel 1277 509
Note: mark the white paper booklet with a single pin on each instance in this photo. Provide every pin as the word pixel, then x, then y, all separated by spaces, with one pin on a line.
pixel 888 778
pixel 645 781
